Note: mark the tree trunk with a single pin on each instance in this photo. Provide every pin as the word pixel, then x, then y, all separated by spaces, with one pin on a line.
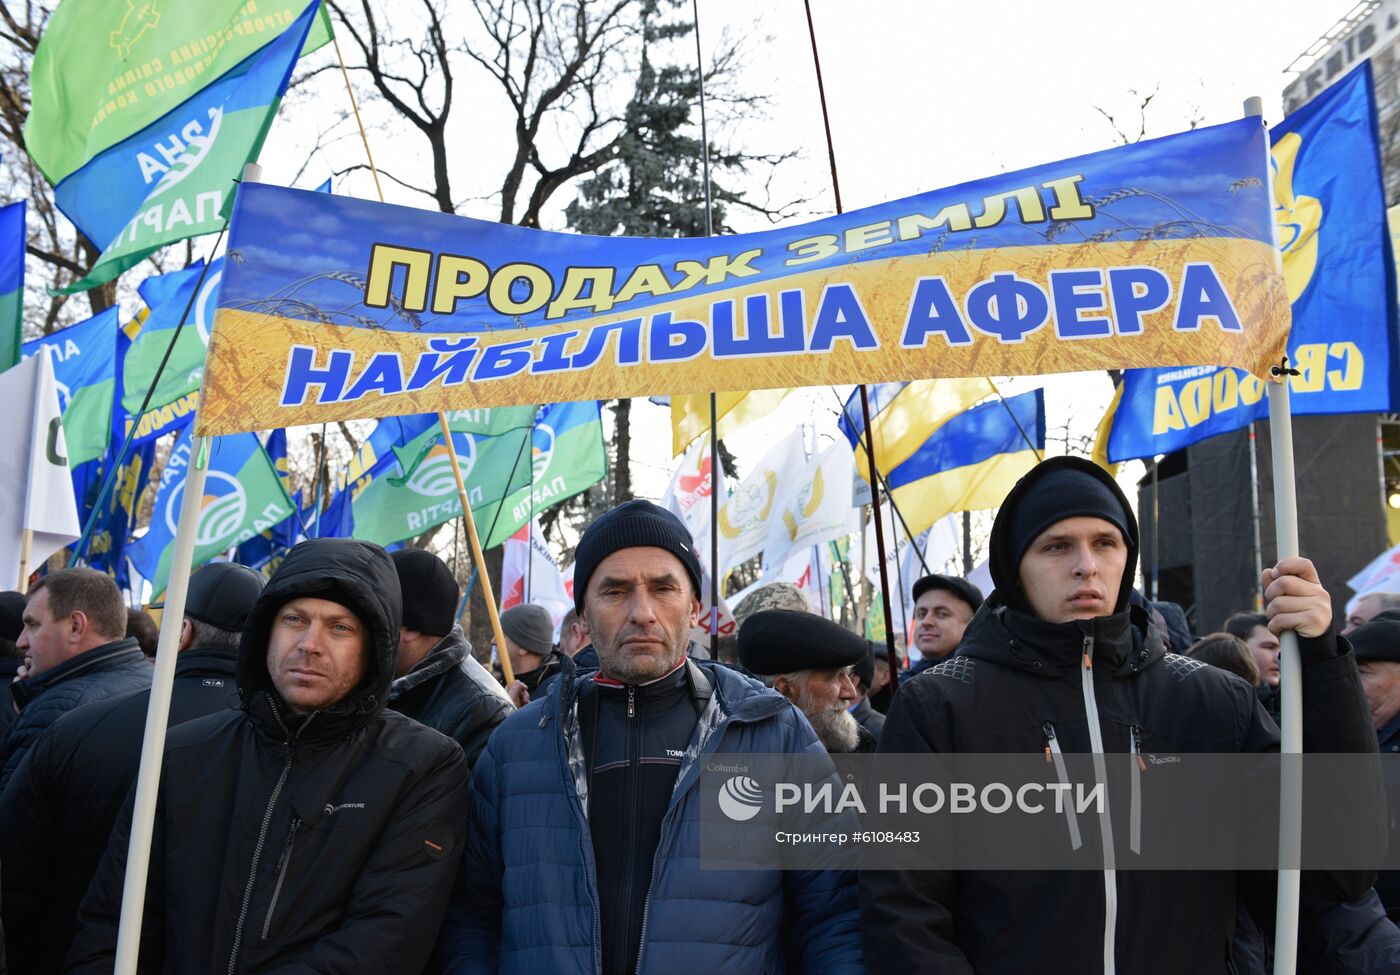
pixel 478 622
pixel 622 442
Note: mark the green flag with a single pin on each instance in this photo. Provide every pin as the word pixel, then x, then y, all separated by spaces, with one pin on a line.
pixel 568 456
pixel 411 488
pixel 174 178
pixel 105 69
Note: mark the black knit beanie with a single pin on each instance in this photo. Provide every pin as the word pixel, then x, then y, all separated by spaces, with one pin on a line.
pixel 430 593
pixel 635 524
pixel 1056 489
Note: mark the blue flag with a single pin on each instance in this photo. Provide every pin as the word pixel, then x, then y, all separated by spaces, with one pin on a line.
pixel 971 461
pixel 243 496
pixel 11 282
pixel 1340 273
pixel 106 551
pixel 84 363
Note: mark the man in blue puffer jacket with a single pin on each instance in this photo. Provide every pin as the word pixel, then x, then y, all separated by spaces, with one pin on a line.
pixel 583 849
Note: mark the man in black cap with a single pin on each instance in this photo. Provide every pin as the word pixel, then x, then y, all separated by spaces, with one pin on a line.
pixel 311 830
pixel 943 606
pixel 586 807
pixel 59 808
pixel 809 660
pixel 1056 658
pixel 529 633
pixel 437 681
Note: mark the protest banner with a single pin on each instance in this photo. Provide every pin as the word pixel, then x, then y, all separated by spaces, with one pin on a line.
pixel 1157 252
pixel 1340 273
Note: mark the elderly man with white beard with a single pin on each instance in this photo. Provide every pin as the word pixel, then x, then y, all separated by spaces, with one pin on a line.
pixel 809 660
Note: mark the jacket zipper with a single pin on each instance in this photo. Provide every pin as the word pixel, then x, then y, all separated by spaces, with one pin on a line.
pixel 262 840
pixel 634 749
pixel 1110 875
pixel 283 862
pixel 705 748
pixel 1057 758
pixel 1135 816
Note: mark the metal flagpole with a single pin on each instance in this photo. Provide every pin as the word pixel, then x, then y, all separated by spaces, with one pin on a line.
pixel 714 405
pixel 864 395
pixel 967 542
pixel 1290 834
pixel 472 539
pixel 143 814
pixel 1254 515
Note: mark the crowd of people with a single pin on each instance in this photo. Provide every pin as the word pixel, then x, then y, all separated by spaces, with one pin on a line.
pixel 347 788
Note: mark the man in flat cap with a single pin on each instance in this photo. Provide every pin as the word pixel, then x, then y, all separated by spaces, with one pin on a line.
pixel 68 791
pixel 809 660
pixel 583 854
pixel 943 606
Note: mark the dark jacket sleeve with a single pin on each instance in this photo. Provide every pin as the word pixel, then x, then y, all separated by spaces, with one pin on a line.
pixel 397 899
pixel 28 850
pixel 470 940
pixel 1336 720
pixel 907 915
pixel 477 722
pixel 26 729
pixel 95 945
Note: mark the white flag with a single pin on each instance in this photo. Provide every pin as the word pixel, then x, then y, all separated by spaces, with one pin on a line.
pixel 745 516
pixel 34 472
pixel 815 508
pixel 529 574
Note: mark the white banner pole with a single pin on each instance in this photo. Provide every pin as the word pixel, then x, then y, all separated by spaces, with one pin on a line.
pixel 1290 826
pixel 143 814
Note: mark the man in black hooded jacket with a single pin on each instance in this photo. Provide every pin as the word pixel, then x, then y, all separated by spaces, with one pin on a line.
pixel 312 830
pixel 1055 644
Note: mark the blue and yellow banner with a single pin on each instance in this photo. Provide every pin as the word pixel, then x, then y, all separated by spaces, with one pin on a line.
pixel 971 461
pixel 1154 253
pixel 1329 205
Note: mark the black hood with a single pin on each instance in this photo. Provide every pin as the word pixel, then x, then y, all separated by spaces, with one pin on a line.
pixel 1004 563
pixel 358 575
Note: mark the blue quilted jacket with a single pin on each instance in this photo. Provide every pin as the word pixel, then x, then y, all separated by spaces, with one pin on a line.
pixel 526 898
pixel 113 668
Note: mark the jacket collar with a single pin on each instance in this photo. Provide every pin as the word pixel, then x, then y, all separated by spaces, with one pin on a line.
pixel 1124 644
pixel 198 662
pixel 98 658
pixel 446 654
